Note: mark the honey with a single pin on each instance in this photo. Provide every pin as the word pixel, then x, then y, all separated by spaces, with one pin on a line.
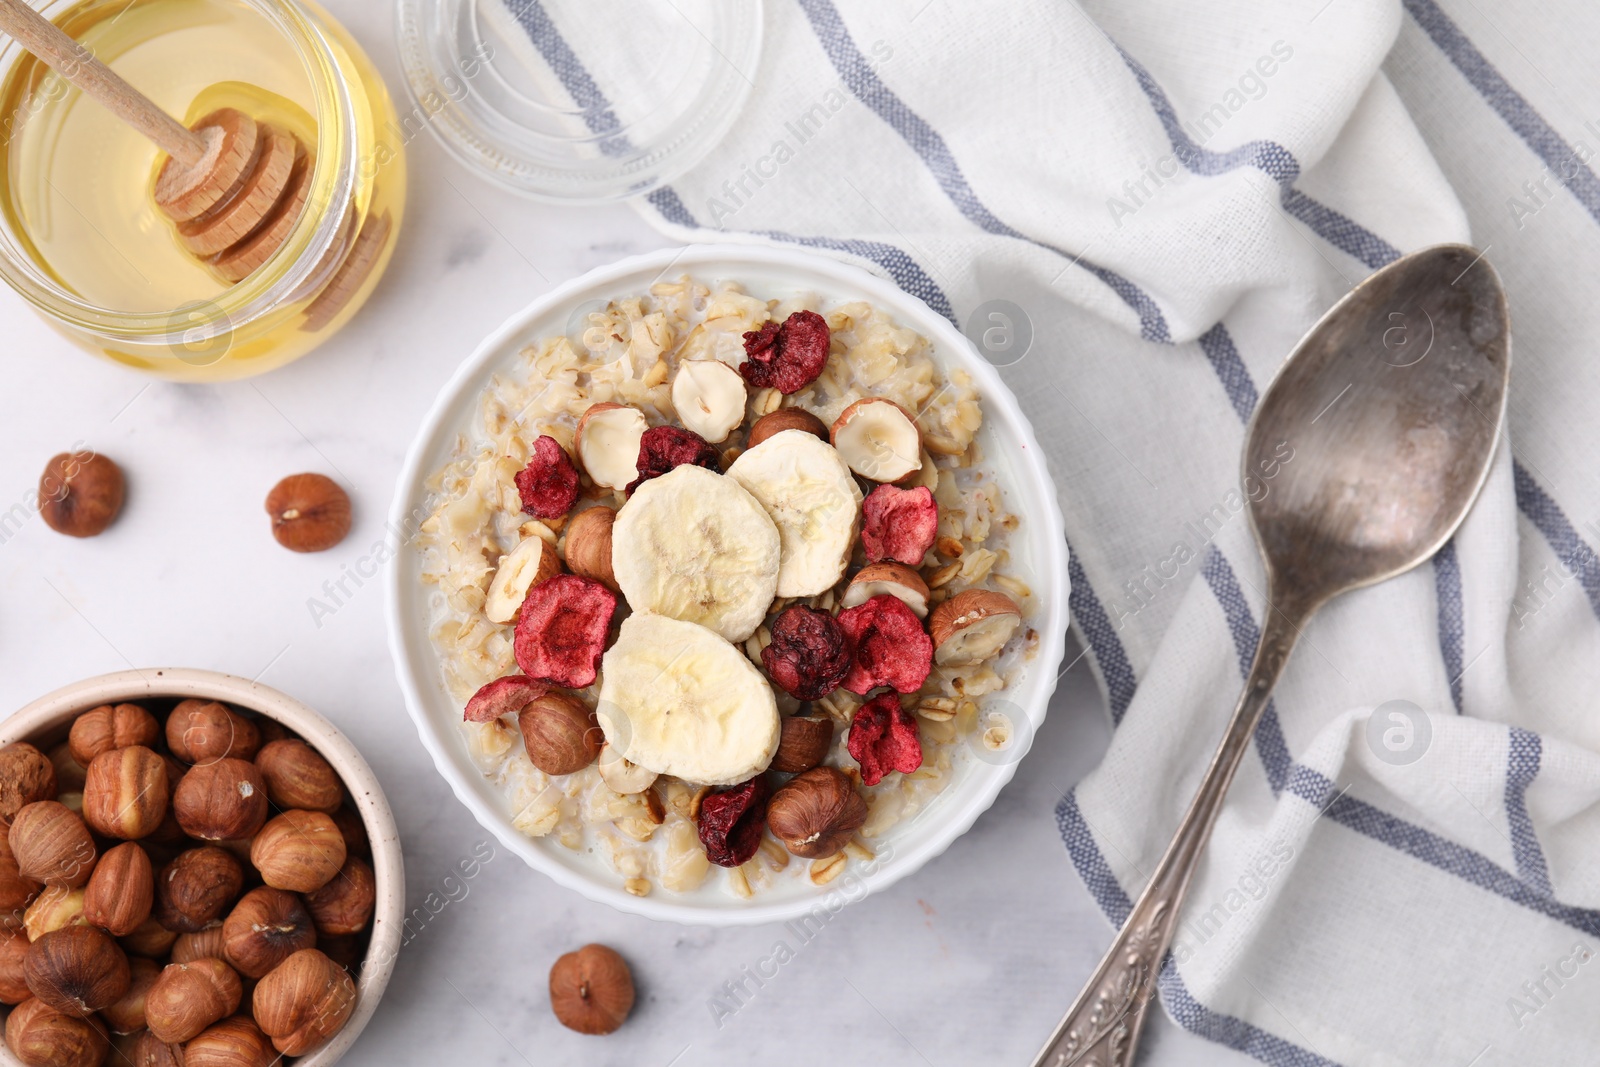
pixel 76 184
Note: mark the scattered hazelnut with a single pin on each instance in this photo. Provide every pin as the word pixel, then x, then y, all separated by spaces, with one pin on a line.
pixel 265 928
pixel 26 777
pixel 608 439
pixel 126 1014
pixel 591 990
pixel 534 560
pixel 303 1001
pixel 896 579
pixel 126 792
pixel 111 726
pixel 803 743
pixel 69 772
pixel 151 940
pixel 972 626
pixel 589 545
pixel 203 731
pixel 54 909
pixel 224 800
pixel 120 891
pixel 52 845
pixel 80 493
pixel 16 891
pixel 814 814
pixel 299 851
pixel 622 774
pixel 234 1042
pixel 150 1051
pixel 775 422
pixel 344 905
pixel 13 951
pixel 560 733
pixel 188 997
pixel 76 969
pixel 196 888
pixel 41 1036
pixel 709 397
pixel 208 942
pixel 353 832
pixel 878 439
pixel 310 513
pixel 297 777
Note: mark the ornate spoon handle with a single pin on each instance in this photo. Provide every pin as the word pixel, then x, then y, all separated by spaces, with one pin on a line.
pixel 1102 1028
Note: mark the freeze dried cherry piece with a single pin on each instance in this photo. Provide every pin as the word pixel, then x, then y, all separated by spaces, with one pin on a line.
pixel 883 738
pixel 888 646
pixel 562 630
pixel 664 447
pixel 899 524
pixel 504 696
pixel 549 483
pixel 731 822
pixel 786 357
pixel 809 655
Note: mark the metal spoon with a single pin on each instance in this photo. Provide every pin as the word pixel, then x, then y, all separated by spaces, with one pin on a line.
pixel 1392 404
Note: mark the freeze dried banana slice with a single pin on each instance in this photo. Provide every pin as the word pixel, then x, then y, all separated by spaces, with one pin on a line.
pixel 814 501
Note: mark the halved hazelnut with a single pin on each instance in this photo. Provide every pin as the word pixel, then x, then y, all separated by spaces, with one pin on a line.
pixel 533 560
pixel 589 545
pixel 622 775
pixel 709 397
pixel 814 814
pixel 802 743
pixel 26 776
pixel 775 422
pixel 560 733
pixel 972 626
pixel 608 443
pixel 896 579
pixel 878 439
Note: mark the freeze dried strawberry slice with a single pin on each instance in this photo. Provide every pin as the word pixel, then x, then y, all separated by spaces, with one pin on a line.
pixel 562 630
pixel 888 646
pixel 731 822
pixel 809 655
pixel 504 696
pixel 664 447
pixel 549 483
pixel 899 524
pixel 883 738
pixel 787 357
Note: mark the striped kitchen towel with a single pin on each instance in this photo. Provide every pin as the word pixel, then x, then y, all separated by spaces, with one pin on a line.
pixel 1408 868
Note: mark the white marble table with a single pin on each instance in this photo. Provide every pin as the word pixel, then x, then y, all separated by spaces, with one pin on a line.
pixel 970 961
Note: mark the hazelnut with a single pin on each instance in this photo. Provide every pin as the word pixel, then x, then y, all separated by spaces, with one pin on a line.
pixel 126 1014
pixel 13 951
pixel 878 439
pixel 26 776
pixel 533 562
pixel 896 579
pixel 16 891
pixel 608 441
pixel 188 997
pixel 151 940
pixel 125 794
pixel 304 1001
pixel 803 743
pixel 972 626
pixel 353 832
pixel 111 726
pixel 203 731
pixel 69 772
pixel 234 1042
pixel 775 422
pixel 208 942
pixel 150 1051
pixel 709 397
pixel 224 800
pixel 591 990
pixel 344 905
pixel 814 814
pixel 560 733
pixel 120 891
pixel 52 845
pixel 196 888
pixel 80 493
pixel 265 928
pixel 41 1036
pixel 310 513
pixel 623 775
pixel 589 545
pixel 53 909
pixel 297 777
pixel 76 969
pixel 299 851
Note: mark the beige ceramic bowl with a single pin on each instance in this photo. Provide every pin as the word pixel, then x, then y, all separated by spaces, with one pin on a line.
pixel 45 722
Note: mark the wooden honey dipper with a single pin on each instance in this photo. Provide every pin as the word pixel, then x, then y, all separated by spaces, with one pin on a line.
pixel 233 187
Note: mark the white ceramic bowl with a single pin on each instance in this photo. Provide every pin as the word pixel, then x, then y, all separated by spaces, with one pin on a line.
pixel 1038 548
pixel 44 723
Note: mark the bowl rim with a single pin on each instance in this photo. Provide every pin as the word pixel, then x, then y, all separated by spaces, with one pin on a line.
pixel 57 708
pixel 1032 467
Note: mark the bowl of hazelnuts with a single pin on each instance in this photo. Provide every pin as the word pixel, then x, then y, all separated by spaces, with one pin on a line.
pixel 195 871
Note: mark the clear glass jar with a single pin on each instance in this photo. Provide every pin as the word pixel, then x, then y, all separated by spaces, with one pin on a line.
pixel 80 236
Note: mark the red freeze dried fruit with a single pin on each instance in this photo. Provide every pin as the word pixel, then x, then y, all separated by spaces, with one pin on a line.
pixel 549 483
pixel 787 357
pixel 899 524
pixel 890 647
pixel 504 696
pixel 883 738
pixel 665 447
pixel 732 822
pixel 562 630
pixel 809 655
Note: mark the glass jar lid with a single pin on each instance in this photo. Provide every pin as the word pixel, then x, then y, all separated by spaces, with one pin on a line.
pixel 578 100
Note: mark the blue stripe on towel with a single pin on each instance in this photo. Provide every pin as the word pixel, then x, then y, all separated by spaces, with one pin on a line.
pixel 1523 758
pixel 597 113
pixel 865 85
pixel 1447 592
pixel 1546 515
pixel 1097 629
pixel 1270 743
pixel 1219 348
